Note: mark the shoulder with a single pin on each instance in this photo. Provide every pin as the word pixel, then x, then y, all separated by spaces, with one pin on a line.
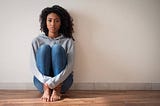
pixel 67 39
pixel 70 44
pixel 71 41
pixel 39 38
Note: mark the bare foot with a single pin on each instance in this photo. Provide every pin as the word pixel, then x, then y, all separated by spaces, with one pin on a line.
pixel 56 95
pixel 46 94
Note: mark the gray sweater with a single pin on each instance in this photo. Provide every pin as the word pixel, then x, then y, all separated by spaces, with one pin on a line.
pixel 67 44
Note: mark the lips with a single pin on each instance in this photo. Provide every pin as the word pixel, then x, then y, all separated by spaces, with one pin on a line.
pixel 52 28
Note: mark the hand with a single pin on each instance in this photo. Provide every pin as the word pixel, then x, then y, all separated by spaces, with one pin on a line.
pixel 45 84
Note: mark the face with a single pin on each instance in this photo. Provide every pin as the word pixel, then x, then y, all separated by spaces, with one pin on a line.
pixel 53 23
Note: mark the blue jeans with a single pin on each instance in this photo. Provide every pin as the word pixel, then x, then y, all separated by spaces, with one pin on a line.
pixel 50 62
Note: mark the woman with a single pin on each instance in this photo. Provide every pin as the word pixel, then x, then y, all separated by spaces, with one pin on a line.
pixel 53 53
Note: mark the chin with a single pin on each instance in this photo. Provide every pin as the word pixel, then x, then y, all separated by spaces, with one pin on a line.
pixel 52 31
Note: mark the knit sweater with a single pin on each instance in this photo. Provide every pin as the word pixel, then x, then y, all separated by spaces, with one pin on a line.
pixel 67 44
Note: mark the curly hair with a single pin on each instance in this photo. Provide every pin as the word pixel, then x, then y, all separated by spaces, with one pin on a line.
pixel 66 27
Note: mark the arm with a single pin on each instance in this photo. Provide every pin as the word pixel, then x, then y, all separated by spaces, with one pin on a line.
pixel 35 71
pixel 53 82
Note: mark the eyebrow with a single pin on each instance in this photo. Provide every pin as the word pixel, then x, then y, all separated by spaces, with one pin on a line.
pixel 52 18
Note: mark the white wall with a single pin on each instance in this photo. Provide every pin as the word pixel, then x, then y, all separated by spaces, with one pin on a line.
pixel 116 40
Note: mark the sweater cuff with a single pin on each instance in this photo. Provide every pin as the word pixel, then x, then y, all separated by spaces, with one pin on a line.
pixel 50 84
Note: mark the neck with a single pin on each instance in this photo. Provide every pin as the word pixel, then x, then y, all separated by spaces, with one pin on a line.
pixel 52 35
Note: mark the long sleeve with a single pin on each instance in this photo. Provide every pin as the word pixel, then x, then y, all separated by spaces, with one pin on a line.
pixel 35 71
pixel 53 82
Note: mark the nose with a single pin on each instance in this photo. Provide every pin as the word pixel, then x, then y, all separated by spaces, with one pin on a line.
pixel 52 23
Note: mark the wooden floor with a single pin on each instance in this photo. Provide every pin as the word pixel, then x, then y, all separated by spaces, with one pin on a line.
pixel 85 98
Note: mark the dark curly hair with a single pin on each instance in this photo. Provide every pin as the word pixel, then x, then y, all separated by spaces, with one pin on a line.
pixel 66 27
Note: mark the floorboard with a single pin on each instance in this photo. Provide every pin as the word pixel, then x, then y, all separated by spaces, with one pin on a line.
pixel 82 98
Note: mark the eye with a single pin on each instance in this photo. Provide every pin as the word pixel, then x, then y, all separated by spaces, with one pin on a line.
pixel 49 20
pixel 57 20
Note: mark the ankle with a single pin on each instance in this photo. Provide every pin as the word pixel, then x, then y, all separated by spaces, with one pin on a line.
pixel 58 86
pixel 46 88
pixel 57 89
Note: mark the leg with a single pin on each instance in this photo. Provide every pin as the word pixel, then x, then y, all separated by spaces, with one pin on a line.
pixel 67 84
pixel 59 61
pixel 59 65
pixel 43 59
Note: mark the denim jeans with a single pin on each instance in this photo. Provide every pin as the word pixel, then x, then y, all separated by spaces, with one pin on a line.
pixel 50 62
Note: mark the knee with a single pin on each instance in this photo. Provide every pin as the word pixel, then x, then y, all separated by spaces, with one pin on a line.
pixel 44 47
pixel 57 49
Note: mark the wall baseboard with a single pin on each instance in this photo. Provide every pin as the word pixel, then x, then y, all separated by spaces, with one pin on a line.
pixel 88 86
pixel 17 86
pixel 116 86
